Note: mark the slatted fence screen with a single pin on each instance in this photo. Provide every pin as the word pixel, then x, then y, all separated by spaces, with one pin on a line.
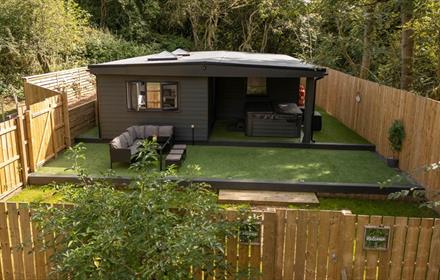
pixel 369 109
pixel 294 244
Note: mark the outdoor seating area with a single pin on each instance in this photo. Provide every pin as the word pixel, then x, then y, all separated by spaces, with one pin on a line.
pixel 125 146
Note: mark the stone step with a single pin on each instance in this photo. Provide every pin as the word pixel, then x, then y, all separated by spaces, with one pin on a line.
pixel 267 197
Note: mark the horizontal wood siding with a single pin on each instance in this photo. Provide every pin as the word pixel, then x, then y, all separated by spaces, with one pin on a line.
pixel 193 107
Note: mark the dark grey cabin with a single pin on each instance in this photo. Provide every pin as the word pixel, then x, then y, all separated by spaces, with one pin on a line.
pixel 193 90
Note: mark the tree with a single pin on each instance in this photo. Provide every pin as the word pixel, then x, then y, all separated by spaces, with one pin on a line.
pixel 407 44
pixel 156 229
pixel 38 36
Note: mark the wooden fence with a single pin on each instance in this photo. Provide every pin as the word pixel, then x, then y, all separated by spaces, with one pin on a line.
pixel 13 154
pixel 38 134
pixel 59 106
pixel 369 109
pixel 294 244
pixel 78 85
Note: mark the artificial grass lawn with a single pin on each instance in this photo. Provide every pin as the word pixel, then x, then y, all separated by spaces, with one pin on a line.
pixel 47 194
pixel 332 131
pixel 280 164
pixel 286 164
pixel 372 207
pixel 97 162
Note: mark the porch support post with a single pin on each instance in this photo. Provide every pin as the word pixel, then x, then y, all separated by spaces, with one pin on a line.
pixel 309 110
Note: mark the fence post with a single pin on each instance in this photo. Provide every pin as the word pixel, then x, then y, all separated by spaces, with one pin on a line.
pixel 22 145
pixel 68 140
pixel 30 141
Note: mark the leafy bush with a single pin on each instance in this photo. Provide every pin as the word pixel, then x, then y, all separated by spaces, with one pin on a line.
pixel 396 135
pixel 156 229
pixel 101 46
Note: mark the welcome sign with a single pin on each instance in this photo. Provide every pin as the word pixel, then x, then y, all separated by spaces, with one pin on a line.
pixel 376 237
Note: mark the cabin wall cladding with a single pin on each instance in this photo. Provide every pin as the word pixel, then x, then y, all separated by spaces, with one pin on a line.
pixel 370 108
pixel 292 245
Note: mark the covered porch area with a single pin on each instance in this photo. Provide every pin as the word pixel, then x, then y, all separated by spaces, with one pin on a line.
pixel 264 105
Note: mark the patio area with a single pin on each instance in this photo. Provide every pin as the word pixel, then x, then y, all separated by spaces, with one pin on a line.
pixel 277 164
pixel 332 131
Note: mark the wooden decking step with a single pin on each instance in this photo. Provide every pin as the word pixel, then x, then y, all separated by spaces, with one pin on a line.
pixel 267 197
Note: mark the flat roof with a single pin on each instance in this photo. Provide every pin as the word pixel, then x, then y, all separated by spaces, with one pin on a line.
pixel 227 58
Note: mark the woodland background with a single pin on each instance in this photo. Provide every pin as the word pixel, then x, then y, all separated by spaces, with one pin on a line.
pixel 393 42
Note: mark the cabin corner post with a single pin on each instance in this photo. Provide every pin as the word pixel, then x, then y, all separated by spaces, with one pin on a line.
pixel 309 110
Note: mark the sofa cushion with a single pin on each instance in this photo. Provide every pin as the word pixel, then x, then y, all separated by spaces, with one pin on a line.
pixel 132 131
pixel 150 131
pixel 140 134
pixel 165 131
pixel 126 140
pixel 116 143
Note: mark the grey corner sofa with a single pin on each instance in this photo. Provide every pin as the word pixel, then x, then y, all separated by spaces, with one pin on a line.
pixel 126 145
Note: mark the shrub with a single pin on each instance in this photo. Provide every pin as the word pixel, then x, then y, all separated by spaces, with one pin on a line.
pixel 156 229
pixel 396 135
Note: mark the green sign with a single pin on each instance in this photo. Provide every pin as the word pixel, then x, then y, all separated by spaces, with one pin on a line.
pixel 376 237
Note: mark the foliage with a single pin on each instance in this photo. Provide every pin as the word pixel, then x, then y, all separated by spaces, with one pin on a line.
pixel 147 156
pixel 396 135
pixel 425 197
pixel 102 46
pixel 38 36
pixel 339 34
pixel 156 229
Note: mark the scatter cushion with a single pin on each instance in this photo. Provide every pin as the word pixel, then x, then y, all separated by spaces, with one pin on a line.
pixel 150 131
pixel 126 140
pixel 116 143
pixel 165 131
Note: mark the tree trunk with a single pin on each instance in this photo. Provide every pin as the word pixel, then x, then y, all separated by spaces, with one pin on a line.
pixel 103 14
pixel 366 48
pixel 43 63
pixel 407 45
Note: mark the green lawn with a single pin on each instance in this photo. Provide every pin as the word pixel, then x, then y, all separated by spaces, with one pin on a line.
pixel 286 164
pixel 332 131
pixel 41 194
pixel 281 164
pixel 47 194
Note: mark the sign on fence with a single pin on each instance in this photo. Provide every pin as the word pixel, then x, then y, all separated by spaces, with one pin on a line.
pixel 376 237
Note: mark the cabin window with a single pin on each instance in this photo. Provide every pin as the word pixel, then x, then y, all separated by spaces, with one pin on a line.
pixel 256 86
pixel 151 95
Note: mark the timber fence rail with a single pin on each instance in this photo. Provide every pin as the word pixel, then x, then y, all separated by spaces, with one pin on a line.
pixel 293 244
pixel 369 109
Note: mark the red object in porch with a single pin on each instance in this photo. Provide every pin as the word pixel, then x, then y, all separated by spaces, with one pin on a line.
pixel 302 95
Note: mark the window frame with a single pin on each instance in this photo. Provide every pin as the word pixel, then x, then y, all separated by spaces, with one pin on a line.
pixel 253 94
pixel 161 109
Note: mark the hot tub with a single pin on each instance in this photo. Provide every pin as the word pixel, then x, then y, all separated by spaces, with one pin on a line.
pixel 278 120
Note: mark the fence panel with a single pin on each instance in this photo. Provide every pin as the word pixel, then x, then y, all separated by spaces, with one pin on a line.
pixel 47 129
pixel 294 244
pixel 13 154
pixel 372 116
